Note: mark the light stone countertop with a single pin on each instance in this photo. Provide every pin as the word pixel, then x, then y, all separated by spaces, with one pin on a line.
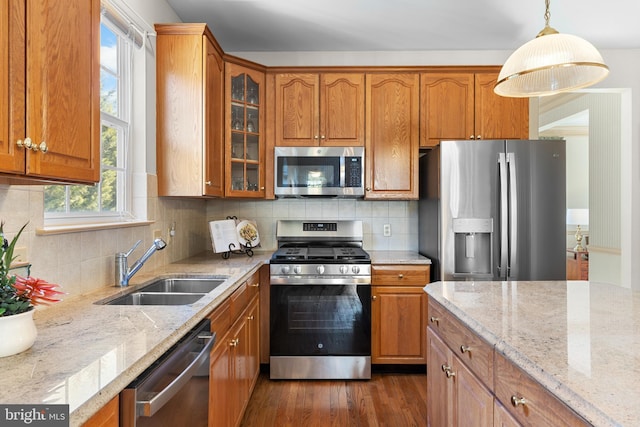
pixel 579 340
pixel 397 257
pixel 85 353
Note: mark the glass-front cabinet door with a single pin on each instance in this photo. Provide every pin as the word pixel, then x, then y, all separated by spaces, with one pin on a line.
pixel 245 172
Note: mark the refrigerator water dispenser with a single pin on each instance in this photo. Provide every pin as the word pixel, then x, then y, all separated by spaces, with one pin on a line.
pixel 472 240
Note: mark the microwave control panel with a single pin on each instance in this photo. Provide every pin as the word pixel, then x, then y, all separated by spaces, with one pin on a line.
pixel 353 171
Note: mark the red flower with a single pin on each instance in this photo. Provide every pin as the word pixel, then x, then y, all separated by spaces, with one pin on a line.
pixel 37 291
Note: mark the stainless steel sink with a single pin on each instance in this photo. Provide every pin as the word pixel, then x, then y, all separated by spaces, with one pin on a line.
pixel 169 291
pixel 184 284
pixel 155 298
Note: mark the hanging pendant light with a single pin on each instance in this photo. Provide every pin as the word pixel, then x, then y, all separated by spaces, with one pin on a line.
pixel 549 64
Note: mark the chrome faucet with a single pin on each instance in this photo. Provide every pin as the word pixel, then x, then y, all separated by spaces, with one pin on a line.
pixel 123 272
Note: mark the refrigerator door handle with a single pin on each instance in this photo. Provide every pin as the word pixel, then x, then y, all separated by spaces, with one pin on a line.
pixel 512 266
pixel 504 213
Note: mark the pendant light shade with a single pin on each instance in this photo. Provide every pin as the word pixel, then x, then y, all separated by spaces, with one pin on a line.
pixel 549 64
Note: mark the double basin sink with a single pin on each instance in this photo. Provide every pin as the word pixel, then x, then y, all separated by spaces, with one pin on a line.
pixel 169 291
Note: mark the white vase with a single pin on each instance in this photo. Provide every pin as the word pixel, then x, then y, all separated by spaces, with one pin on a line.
pixel 18 333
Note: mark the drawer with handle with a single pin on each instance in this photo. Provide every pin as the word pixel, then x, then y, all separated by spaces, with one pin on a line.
pixel 472 350
pixel 527 401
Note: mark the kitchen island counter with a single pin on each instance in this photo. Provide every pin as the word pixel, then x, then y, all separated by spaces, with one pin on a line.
pixel 86 353
pixel 577 339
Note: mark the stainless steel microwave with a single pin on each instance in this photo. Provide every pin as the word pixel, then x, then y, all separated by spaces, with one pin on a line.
pixel 319 171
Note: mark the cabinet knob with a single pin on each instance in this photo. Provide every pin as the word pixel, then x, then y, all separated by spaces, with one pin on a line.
pixel 322 137
pixel 479 137
pixel 448 371
pixel 234 342
pixel 435 320
pixel 254 285
pixel 373 297
pixel 20 143
pixel 465 349
pixel 207 183
pixel 261 188
pixel 400 276
pixel 517 401
pixel 249 317
pixel 472 137
pixel 368 188
pixel 315 136
pixel 27 143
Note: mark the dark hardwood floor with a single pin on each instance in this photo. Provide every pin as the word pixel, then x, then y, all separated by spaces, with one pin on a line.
pixel 390 400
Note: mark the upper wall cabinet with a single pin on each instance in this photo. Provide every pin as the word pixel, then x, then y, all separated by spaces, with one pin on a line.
pixel 190 110
pixel 49 90
pixel 462 105
pixel 319 109
pixel 244 118
pixel 391 152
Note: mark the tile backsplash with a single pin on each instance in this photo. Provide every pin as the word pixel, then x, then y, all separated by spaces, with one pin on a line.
pixel 84 260
pixel 402 216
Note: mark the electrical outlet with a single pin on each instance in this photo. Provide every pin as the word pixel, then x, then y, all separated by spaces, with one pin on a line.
pixel 387 230
pixel 157 234
pixel 20 255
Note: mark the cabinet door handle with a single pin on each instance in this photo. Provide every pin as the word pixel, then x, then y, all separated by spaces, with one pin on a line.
pixel 479 137
pixel 435 320
pixel 517 401
pixel 448 371
pixel 374 297
pixel 249 317
pixel 234 342
pixel 465 349
pixel 255 285
pixel 400 276
pixel 207 183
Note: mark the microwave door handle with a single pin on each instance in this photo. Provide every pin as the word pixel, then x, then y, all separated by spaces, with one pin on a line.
pixel 504 212
pixel 512 269
pixel 343 172
pixel 148 408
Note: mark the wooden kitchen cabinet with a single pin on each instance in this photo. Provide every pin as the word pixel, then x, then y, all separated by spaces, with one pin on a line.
pixel 398 314
pixel 538 407
pixel 455 396
pixel 49 87
pixel 107 416
pixel 235 358
pixel 189 111
pixel 244 122
pixel 470 383
pixel 462 105
pixel 319 109
pixel 392 136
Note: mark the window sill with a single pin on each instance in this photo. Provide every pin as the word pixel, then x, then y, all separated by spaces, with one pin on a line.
pixel 62 229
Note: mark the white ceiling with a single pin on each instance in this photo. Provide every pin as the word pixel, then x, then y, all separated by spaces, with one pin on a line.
pixel 406 25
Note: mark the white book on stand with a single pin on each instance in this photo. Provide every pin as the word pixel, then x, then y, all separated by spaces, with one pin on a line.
pixel 224 236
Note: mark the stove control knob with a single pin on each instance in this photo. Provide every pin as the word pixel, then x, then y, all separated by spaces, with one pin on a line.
pixel 355 269
pixel 320 269
pixel 297 269
pixel 344 269
pixel 284 269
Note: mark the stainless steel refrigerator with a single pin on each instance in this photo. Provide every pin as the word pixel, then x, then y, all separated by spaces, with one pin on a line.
pixel 494 210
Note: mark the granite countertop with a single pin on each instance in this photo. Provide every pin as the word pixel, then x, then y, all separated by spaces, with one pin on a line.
pixel 85 353
pixel 397 257
pixel 580 340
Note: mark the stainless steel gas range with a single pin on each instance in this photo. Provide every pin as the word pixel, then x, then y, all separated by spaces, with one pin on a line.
pixel 320 302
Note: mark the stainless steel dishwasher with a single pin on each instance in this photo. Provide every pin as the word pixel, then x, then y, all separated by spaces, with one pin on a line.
pixel 175 389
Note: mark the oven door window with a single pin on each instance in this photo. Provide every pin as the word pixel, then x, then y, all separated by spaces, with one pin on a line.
pixel 308 172
pixel 317 320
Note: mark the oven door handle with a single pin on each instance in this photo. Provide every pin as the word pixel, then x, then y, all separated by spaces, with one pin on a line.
pixel 147 408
